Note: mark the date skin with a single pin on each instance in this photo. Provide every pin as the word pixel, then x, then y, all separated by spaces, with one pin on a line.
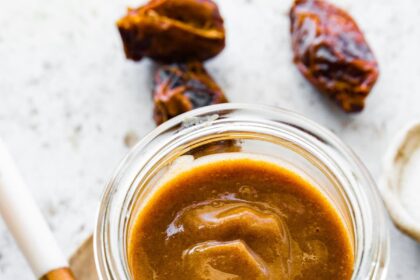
pixel 332 53
pixel 182 87
pixel 173 31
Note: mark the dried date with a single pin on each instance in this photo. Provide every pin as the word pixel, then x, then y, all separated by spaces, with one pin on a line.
pixel 182 87
pixel 332 53
pixel 173 31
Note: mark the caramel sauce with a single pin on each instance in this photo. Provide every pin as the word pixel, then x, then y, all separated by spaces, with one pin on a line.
pixel 239 219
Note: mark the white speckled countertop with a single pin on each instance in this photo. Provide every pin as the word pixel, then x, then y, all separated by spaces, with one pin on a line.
pixel 68 97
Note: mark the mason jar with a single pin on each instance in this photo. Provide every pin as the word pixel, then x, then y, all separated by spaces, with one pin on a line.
pixel 303 145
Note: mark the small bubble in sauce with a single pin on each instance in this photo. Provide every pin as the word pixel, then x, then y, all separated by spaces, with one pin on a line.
pixel 248 191
pixel 216 204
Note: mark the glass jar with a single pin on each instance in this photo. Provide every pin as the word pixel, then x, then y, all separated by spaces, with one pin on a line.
pixel 297 142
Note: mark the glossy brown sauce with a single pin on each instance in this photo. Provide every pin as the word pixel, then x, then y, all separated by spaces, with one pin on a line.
pixel 239 219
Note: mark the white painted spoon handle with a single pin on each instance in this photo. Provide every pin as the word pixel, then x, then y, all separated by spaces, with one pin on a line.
pixel 26 222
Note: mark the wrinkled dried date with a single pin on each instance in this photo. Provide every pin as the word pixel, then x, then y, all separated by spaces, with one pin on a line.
pixel 332 53
pixel 182 87
pixel 173 31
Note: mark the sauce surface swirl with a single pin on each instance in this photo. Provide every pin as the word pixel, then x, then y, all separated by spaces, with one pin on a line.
pixel 239 219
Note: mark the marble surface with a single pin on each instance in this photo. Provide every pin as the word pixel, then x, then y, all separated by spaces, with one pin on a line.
pixel 69 97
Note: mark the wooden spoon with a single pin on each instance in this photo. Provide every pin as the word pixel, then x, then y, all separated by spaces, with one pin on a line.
pixel 27 225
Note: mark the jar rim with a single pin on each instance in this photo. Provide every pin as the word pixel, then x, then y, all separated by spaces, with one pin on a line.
pixel 369 265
